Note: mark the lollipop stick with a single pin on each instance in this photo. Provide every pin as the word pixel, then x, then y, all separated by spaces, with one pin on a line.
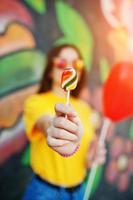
pixel 68 97
pixel 106 124
pixel 67 100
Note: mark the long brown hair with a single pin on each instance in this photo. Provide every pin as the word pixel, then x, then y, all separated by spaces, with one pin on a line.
pixel 46 82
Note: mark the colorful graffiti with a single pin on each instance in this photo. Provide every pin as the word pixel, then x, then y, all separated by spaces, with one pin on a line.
pixel 119 15
pixel 28 29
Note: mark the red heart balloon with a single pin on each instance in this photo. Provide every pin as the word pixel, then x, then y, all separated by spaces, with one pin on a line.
pixel 118 92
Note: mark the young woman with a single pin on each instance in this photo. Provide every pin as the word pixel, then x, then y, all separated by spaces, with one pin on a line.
pixel 59 144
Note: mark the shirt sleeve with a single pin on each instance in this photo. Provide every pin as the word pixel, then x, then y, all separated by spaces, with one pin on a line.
pixel 32 112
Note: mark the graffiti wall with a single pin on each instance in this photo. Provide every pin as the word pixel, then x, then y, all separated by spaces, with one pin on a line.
pixel 103 32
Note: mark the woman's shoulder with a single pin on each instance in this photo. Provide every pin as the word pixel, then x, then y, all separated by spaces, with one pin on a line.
pixel 37 97
pixel 32 98
pixel 31 101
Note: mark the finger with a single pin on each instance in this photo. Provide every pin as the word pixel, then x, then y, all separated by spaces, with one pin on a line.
pixel 74 119
pixel 63 134
pixel 65 124
pixel 100 160
pixel 91 155
pixel 101 151
pixel 63 109
pixel 53 142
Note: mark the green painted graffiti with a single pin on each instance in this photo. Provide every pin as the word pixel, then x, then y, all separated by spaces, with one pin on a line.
pixel 37 5
pixel 75 30
pixel 20 69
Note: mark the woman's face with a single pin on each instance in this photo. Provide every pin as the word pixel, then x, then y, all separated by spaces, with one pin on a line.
pixel 67 57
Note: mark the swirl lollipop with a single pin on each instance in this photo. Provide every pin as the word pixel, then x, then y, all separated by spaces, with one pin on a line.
pixel 69 81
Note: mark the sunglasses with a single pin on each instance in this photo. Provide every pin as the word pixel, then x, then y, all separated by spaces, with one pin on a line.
pixel 63 63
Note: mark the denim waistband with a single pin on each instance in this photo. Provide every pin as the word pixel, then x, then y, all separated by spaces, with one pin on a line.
pixel 71 189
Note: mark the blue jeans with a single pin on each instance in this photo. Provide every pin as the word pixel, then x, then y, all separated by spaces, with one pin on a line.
pixel 41 190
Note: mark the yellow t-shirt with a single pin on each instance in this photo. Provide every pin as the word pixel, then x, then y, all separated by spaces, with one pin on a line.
pixel 45 162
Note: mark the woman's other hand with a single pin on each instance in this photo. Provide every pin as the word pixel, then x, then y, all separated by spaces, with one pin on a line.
pixel 96 153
